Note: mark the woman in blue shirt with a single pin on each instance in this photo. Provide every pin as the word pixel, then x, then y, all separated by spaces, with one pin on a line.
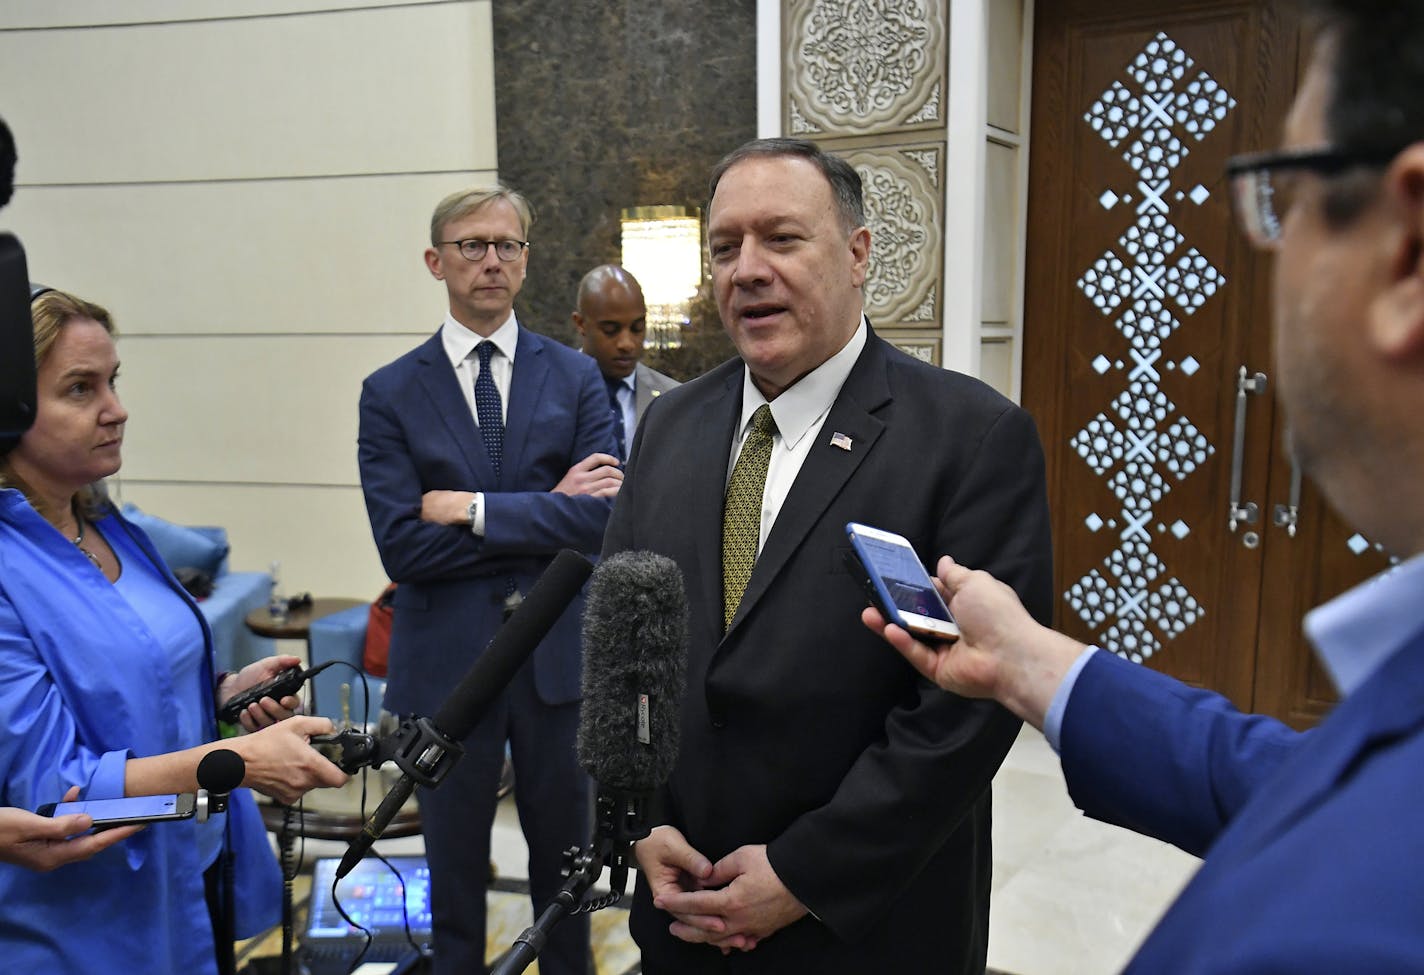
pixel 106 682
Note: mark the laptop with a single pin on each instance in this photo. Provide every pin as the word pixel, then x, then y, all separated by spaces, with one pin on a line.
pixel 372 896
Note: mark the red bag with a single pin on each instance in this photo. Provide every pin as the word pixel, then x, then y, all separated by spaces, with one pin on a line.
pixel 378 633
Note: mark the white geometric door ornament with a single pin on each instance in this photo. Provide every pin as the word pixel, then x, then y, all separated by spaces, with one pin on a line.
pixel 1153 282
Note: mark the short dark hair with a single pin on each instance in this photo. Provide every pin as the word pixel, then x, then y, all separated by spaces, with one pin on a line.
pixel 1373 108
pixel 1377 101
pixel 844 180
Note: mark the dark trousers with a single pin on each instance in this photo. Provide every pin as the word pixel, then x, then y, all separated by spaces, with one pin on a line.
pixel 551 793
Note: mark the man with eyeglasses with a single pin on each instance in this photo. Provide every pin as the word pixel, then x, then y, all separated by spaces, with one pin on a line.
pixel 1312 841
pixel 483 452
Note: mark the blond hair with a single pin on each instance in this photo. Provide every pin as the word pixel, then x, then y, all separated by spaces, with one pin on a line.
pixel 470 199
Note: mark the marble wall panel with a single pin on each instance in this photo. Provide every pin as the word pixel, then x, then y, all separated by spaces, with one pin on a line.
pixel 608 105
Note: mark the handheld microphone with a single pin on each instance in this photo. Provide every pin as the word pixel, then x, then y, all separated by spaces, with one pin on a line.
pixel 220 771
pixel 634 671
pixel 429 747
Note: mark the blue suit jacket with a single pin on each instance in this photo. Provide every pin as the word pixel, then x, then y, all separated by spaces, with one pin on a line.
pixel 1313 841
pixel 417 435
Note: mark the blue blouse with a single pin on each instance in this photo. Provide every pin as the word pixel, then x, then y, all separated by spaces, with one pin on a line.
pixel 87 681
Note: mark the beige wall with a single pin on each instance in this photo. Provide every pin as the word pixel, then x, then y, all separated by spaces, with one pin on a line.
pixel 248 190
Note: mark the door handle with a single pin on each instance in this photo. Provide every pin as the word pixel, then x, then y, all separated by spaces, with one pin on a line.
pixel 1238 513
pixel 1287 515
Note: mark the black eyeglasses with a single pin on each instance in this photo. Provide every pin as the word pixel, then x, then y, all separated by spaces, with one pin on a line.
pixel 1261 183
pixel 473 249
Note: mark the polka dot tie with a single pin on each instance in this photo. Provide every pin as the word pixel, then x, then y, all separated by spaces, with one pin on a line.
pixel 613 386
pixel 741 513
pixel 489 411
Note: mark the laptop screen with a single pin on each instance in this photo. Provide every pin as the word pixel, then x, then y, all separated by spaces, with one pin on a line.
pixel 371 895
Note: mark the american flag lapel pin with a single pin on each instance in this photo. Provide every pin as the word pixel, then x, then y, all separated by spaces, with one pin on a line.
pixel 840 440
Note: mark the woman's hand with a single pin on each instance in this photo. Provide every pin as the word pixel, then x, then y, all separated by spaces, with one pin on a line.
pixel 268 711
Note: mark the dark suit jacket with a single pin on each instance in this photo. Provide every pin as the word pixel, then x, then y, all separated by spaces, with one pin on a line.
pixel 1313 841
pixel 648 386
pixel 417 435
pixel 802 730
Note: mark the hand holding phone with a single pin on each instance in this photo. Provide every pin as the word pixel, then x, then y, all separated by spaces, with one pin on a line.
pixel 126 810
pixel 897 584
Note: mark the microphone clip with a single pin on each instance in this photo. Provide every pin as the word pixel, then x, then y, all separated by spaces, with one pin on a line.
pixel 207 804
pixel 621 819
pixel 418 748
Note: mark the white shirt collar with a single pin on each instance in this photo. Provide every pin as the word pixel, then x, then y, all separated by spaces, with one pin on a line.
pixel 1357 631
pixel 460 342
pixel 800 406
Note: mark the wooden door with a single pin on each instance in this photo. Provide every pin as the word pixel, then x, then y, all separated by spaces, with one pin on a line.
pixel 1146 324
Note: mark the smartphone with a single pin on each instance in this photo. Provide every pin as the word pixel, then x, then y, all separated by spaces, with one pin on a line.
pixel 897 583
pixel 128 810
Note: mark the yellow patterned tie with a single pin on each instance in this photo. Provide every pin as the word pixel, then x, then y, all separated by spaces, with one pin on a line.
pixel 741 513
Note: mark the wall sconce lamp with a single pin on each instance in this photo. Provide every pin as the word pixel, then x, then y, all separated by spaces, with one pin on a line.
pixel 662 248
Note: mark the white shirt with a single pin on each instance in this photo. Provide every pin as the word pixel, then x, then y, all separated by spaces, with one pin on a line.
pixel 799 412
pixel 460 344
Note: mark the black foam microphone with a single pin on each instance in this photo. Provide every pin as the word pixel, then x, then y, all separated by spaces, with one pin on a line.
pixel 634 671
pixel 429 747
pixel 220 771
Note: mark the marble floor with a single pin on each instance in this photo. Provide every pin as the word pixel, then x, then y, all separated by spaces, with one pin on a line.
pixel 1070 896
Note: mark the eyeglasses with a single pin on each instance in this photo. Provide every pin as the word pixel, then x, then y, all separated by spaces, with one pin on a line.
pixel 473 249
pixel 1263 183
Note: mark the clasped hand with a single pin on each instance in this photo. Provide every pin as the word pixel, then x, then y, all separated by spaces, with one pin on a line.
pixel 736 903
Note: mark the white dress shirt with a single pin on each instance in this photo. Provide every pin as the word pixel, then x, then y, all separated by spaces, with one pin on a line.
pixel 460 344
pixel 799 412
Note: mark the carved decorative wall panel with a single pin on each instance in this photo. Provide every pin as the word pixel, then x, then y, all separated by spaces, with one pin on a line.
pixel 904 200
pixel 863 67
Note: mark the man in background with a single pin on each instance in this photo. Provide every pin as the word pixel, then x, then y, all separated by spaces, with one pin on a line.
pixel 483 452
pixel 829 811
pixel 611 319
pixel 1312 841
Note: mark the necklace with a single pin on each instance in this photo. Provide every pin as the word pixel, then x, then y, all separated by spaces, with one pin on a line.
pixel 79 543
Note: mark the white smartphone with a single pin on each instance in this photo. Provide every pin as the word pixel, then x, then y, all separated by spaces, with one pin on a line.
pixel 127 810
pixel 897 583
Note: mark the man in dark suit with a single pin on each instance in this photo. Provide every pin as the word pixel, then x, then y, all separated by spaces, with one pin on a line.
pixel 1312 841
pixel 829 811
pixel 483 452
pixel 612 321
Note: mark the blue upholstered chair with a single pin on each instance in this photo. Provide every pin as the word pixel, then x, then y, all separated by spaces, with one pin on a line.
pixel 342 636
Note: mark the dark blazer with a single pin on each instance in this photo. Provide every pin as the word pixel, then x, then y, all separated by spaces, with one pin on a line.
pixel 417 435
pixel 648 385
pixel 802 730
pixel 1313 841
